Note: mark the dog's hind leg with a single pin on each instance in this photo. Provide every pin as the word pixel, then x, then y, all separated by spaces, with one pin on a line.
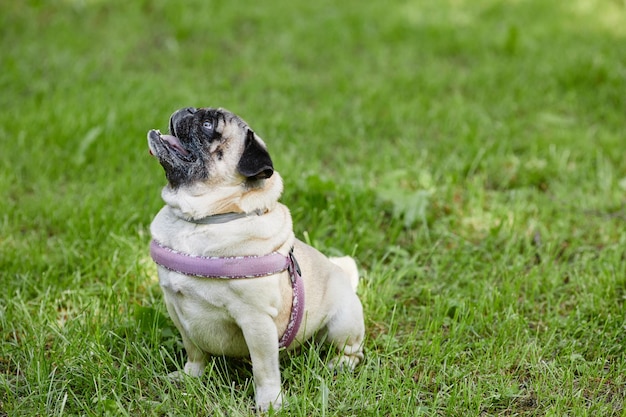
pixel 346 332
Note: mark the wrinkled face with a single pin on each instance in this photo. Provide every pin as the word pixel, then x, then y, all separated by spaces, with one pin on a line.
pixel 209 145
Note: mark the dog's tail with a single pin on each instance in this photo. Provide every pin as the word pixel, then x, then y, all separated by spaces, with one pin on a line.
pixel 349 267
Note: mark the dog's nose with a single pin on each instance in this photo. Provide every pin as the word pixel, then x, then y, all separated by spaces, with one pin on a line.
pixel 178 115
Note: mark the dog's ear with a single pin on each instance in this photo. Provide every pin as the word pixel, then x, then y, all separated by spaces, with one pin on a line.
pixel 255 162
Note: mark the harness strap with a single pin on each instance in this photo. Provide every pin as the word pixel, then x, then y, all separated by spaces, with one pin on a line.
pixel 214 267
pixel 297 302
pixel 238 267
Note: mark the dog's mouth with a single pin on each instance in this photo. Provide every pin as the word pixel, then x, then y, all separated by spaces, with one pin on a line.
pixel 158 142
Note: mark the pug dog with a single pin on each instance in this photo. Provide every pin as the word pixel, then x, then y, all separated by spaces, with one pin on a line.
pixel 221 207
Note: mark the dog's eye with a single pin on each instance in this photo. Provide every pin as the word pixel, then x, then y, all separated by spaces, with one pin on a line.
pixel 207 126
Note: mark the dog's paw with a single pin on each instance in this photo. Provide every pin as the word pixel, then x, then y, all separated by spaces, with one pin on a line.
pixel 176 376
pixel 345 362
pixel 263 404
pixel 192 369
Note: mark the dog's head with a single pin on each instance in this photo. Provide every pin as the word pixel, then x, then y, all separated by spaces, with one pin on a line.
pixel 209 145
pixel 213 154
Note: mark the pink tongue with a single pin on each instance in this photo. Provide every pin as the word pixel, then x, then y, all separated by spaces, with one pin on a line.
pixel 174 143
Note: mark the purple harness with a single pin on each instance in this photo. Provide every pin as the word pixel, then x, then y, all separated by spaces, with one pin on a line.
pixel 239 267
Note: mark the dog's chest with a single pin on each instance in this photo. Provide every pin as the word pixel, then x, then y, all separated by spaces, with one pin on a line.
pixel 209 310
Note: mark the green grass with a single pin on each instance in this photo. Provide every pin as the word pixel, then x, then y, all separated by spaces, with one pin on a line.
pixel 470 154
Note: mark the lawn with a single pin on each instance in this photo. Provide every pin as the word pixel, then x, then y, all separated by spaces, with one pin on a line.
pixel 470 154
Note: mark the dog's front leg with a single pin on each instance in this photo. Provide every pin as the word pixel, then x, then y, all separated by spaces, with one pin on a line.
pixel 262 340
pixel 196 358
